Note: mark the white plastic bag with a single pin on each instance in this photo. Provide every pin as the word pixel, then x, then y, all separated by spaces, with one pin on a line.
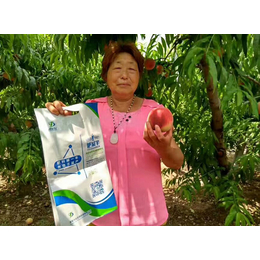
pixel 79 182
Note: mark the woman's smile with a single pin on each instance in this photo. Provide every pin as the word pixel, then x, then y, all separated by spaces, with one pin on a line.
pixel 123 84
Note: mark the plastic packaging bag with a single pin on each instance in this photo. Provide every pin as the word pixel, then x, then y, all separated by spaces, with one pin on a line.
pixel 78 178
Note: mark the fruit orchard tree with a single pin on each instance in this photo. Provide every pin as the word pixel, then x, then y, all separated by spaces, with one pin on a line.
pixel 211 84
pixel 35 69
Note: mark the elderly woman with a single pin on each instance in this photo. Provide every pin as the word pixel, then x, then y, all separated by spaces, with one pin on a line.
pixel 134 151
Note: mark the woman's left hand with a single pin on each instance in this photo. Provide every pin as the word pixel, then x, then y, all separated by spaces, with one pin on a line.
pixel 158 139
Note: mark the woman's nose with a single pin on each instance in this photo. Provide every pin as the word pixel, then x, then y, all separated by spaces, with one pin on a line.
pixel 124 74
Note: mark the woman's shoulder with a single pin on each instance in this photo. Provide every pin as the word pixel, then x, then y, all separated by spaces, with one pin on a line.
pixel 151 103
pixel 97 100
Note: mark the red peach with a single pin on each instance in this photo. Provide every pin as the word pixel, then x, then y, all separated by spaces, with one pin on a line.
pixel 149 93
pixel 162 117
pixel 5 75
pixel 28 123
pixel 149 64
pixel 159 69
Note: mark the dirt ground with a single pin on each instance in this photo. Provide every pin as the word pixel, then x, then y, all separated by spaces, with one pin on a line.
pixel 19 204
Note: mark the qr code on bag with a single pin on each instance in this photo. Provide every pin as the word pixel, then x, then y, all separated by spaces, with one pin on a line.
pixel 97 188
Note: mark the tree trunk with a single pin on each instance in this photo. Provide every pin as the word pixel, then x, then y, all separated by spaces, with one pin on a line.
pixel 217 118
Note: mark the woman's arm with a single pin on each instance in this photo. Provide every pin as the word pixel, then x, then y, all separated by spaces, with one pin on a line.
pixel 173 156
pixel 165 146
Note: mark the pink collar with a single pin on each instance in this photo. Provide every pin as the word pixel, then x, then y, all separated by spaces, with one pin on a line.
pixel 146 103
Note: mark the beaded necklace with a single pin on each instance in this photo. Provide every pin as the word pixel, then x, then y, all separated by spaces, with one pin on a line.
pixel 114 136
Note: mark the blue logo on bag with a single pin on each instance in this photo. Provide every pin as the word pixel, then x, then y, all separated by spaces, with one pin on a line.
pixel 68 165
pixel 93 142
pixel 52 126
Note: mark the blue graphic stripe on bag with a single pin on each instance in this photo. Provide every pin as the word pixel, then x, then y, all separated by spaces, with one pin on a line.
pixel 97 188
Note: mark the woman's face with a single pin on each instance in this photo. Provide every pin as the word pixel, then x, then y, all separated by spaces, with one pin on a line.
pixel 123 75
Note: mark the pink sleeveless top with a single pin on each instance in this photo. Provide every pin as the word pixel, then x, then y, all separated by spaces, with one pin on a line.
pixel 134 167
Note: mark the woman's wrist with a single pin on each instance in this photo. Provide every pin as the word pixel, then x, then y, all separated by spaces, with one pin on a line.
pixel 172 156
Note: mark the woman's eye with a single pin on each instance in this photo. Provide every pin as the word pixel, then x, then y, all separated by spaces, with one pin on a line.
pixel 117 68
pixel 132 69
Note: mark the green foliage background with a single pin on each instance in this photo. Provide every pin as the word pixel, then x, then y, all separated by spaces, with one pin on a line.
pixel 35 69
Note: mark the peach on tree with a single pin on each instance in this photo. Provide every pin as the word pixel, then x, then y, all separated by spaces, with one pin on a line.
pixel 149 64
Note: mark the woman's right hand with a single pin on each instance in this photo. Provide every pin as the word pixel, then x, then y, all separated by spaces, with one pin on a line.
pixel 56 108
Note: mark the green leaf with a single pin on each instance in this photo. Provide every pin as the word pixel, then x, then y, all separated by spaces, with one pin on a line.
pixel 191 70
pixel 18 165
pixel 258 65
pixel 32 83
pixel 252 164
pixel 212 70
pixel 160 49
pixel 169 81
pixel 21 150
pixel 247 214
pixel 61 41
pixel 239 98
pixel 52 57
pixel 256 46
pixel 253 103
pixel 197 184
pixel 203 40
pixel 230 218
pixel 25 78
pixel 177 96
pixel 241 219
pixel 223 76
pixel 11 41
pixel 168 40
pixel 164 45
pixel 196 60
pixel 229 45
pixel 151 44
pixel 241 200
pixel 24 138
pixel 187 195
pixel 234 207
pixel 244 43
pixel 191 54
pixel 226 204
pixel 64 59
pixel 216 192
pixel 240 72
pixel 19 74
pixel 178 61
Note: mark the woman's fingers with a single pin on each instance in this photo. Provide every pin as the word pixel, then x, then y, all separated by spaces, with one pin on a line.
pixel 158 132
pixel 52 108
pixel 157 138
pixel 146 135
pixel 67 113
pixel 56 108
pixel 149 135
